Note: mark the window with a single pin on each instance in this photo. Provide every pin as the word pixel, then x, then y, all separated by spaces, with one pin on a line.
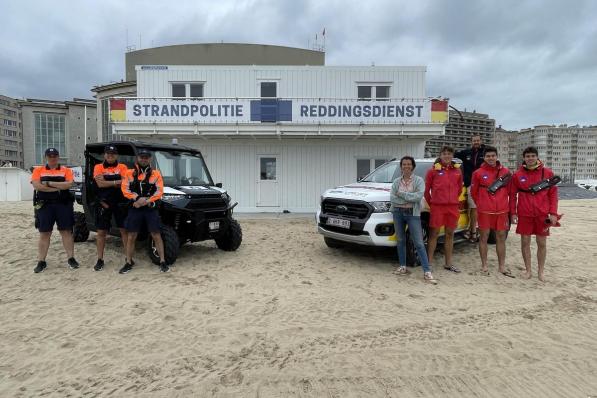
pixel 11 123
pixel 11 153
pixel 366 166
pixel 49 132
pixel 187 90
pixel 267 168
pixel 367 92
pixel 179 90
pixel 364 93
pixel 269 90
pixel 196 90
pixel 385 174
pixel 11 143
pixel 10 113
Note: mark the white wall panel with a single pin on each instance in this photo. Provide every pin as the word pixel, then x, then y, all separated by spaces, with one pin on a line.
pixel 294 81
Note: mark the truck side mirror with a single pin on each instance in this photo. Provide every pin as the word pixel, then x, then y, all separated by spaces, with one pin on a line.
pixel 219 185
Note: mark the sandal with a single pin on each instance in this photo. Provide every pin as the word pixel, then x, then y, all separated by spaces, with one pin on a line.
pixel 473 237
pixel 428 277
pixel 485 272
pixel 508 273
pixel 452 269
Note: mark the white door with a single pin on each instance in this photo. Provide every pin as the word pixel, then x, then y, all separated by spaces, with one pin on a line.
pixel 268 187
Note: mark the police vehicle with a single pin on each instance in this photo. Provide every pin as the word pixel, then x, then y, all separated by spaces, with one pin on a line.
pixel 193 208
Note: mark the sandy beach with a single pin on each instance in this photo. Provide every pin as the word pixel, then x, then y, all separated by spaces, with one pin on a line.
pixel 285 316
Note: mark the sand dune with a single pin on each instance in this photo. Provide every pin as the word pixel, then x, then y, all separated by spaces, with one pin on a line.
pixel 287 317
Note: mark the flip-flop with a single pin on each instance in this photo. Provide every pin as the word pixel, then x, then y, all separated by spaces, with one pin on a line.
pixel 508 273
pixel 452 268
pixel 485 272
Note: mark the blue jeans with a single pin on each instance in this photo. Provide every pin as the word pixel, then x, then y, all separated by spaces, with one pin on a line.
pixel 403 217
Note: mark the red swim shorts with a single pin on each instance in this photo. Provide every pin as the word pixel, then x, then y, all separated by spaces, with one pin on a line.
pixel 532 226
pixel 444 216
pixel 497 222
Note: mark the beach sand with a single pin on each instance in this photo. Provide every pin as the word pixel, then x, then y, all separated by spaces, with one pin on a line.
pixel 285 316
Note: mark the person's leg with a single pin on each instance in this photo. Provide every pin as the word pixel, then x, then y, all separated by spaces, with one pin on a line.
pixel 473 222
pixel 100 242
pixel 159 244
pixel 400 237
pixel 130 246
pixel 68 242
pixel 483 237
pixel 525 247
pixel 43 245
pixel 448 246
pixel 432 243
pixel 416 234
pixel 500 248
pixel 541 256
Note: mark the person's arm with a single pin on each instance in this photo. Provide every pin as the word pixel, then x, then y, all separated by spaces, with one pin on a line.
pixel 552 194
pixel 513 199
pixel 474 188
pixel 394 189
pixel 159 192
pixel 60 185
pixel 38 186
pixel 417 195
pixel 126 188
pixel 428 182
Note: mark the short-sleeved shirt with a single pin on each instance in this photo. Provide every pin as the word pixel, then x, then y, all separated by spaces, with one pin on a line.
pixel 115 172
pixel 59 174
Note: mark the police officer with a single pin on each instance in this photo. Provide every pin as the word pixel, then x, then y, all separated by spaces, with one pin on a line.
pixel 54 205
pixel 108 177
pixel 143 187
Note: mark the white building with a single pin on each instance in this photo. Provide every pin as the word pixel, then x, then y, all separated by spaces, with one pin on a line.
pixel 277 136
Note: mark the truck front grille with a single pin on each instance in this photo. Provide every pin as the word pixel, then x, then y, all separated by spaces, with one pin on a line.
pixel 345 208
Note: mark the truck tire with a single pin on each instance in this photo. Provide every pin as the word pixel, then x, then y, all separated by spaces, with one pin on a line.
pixel 80 230
pixel 333 243
pixel 232 238
pixel 412 257
pixel 171 246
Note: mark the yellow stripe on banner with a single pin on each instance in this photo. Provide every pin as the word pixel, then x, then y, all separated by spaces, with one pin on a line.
pixel 118 116
pixel 439 117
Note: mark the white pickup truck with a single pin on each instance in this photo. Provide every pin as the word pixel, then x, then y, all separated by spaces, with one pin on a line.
pixel 359 213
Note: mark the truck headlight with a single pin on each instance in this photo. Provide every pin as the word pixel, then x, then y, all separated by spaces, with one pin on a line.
pixel 380 207
pixel 171 197
pixel 226 197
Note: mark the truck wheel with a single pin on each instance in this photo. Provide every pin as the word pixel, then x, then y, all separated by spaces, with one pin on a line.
pixel 232 239
pixel 333 243
pixel 171 246
pixel 80 230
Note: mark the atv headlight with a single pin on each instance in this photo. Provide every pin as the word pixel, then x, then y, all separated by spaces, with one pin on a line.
pixel 171 197
pixel 380 207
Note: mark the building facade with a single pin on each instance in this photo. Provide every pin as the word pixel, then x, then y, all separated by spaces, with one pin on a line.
pixel 506 143
pixel 11 134
pixel 65 125
pixel 460 129
pixel 278 136
pixel 570 151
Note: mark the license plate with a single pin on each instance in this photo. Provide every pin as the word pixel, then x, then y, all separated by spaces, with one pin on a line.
pixel 214 225
pixel 338 222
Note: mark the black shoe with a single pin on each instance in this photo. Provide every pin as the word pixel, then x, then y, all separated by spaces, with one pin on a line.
pixel 99 265
pixel 132 261
pixel 164 267
pixel 72 263
pixel 41 266
pixel 127 267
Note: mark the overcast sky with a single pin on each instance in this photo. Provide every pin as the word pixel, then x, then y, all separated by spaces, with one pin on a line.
pixel 523 62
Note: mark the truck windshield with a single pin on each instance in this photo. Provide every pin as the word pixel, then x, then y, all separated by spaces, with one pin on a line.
pixel 386 173
pixel 182 168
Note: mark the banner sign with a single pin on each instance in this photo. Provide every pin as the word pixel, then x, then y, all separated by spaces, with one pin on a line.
pixel 287 111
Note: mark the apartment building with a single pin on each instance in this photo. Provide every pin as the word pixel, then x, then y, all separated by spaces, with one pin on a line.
pixel 11 135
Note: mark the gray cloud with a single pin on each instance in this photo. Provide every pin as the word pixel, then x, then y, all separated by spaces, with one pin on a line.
pixel 523 62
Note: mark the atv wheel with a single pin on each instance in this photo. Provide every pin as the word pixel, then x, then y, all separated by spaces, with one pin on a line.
pixel 80 230
pixel 232 239
pixel 333 243
pixel 171 246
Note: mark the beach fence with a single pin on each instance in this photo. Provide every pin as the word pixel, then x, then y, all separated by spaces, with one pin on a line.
pixel 15 184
